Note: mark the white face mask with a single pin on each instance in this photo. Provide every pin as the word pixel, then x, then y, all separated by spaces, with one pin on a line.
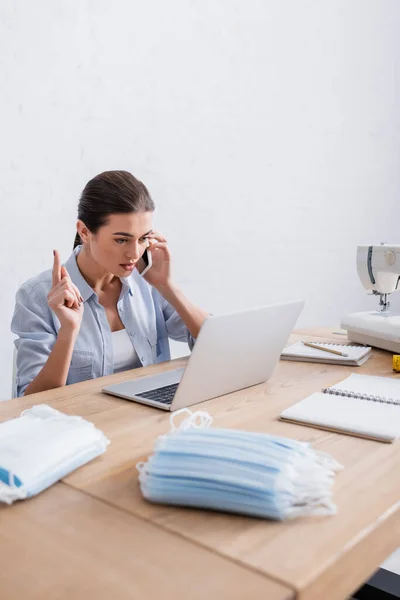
pixel 42 446
pixel 237 471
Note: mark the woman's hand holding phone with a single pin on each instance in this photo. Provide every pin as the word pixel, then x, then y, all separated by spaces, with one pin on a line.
pixel 157 270
pixel 64 297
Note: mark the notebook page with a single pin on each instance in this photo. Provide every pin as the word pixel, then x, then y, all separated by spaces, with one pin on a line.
pixel 300 350
pixel 387 387
pixel 368 419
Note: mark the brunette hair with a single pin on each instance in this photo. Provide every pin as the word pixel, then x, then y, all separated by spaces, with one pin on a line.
pixel 109 193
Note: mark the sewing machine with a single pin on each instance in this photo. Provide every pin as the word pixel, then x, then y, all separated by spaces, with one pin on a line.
pixel 379 270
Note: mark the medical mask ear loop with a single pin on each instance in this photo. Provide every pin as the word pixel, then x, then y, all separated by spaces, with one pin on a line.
pixel 141 467
pixel 309 481
pixel 199 420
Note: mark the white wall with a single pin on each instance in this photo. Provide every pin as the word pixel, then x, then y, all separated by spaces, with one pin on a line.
pixel 267 132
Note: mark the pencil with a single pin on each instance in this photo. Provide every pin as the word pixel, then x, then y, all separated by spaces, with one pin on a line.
pixel 324 349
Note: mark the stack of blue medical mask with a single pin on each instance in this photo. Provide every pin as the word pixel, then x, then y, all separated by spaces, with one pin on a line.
pixel 42 446
pixel 237 471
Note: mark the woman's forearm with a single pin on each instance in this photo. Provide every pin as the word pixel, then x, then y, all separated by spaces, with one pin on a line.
pixel 55 372
pixel 191 315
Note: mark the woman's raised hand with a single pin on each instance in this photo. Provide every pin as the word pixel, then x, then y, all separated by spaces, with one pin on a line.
pixel 64 297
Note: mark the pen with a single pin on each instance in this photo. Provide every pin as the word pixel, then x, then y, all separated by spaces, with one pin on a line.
pixel 324 349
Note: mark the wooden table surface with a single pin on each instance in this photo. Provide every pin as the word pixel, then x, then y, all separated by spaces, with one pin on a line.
pixel 94 531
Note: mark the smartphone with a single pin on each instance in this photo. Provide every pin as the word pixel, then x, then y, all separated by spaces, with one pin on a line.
pixel 145 262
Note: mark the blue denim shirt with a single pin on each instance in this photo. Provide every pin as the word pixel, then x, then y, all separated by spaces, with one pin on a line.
pixel 148 318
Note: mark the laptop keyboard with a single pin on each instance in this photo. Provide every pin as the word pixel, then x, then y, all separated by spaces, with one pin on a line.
pixel 164 394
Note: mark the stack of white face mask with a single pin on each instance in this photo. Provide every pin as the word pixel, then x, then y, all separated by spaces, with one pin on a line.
pixel 42 446
pixel 237 471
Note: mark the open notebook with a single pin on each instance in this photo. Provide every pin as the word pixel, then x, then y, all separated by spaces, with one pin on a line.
pixel 357 355
pixel 361 405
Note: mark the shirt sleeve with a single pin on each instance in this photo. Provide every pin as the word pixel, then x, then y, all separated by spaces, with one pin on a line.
pixel 33 325
pixel 174 324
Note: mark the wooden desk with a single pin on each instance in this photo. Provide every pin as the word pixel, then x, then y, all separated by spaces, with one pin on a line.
pixel 313 559
pixel 64 544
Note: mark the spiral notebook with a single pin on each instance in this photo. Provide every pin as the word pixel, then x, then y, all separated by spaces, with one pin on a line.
pixel 357 355
pixel 361 405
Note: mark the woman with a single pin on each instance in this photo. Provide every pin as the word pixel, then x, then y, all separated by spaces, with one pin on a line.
pixel 97 315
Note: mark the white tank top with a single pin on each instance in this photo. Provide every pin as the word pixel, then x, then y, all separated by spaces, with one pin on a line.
pixel 125 356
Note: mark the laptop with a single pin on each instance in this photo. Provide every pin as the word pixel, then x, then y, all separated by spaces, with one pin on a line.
pixel 232 352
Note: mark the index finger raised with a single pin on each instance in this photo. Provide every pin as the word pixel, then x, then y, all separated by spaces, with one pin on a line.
pixel 56 275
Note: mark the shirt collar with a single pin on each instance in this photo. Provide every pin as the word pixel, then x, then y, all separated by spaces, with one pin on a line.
pixel 77 278
pixel 127 287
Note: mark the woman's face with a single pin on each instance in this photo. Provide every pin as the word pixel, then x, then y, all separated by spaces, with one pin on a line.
pixel 118 245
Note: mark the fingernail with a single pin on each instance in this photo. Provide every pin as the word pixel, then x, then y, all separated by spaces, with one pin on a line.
pixel 54 252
